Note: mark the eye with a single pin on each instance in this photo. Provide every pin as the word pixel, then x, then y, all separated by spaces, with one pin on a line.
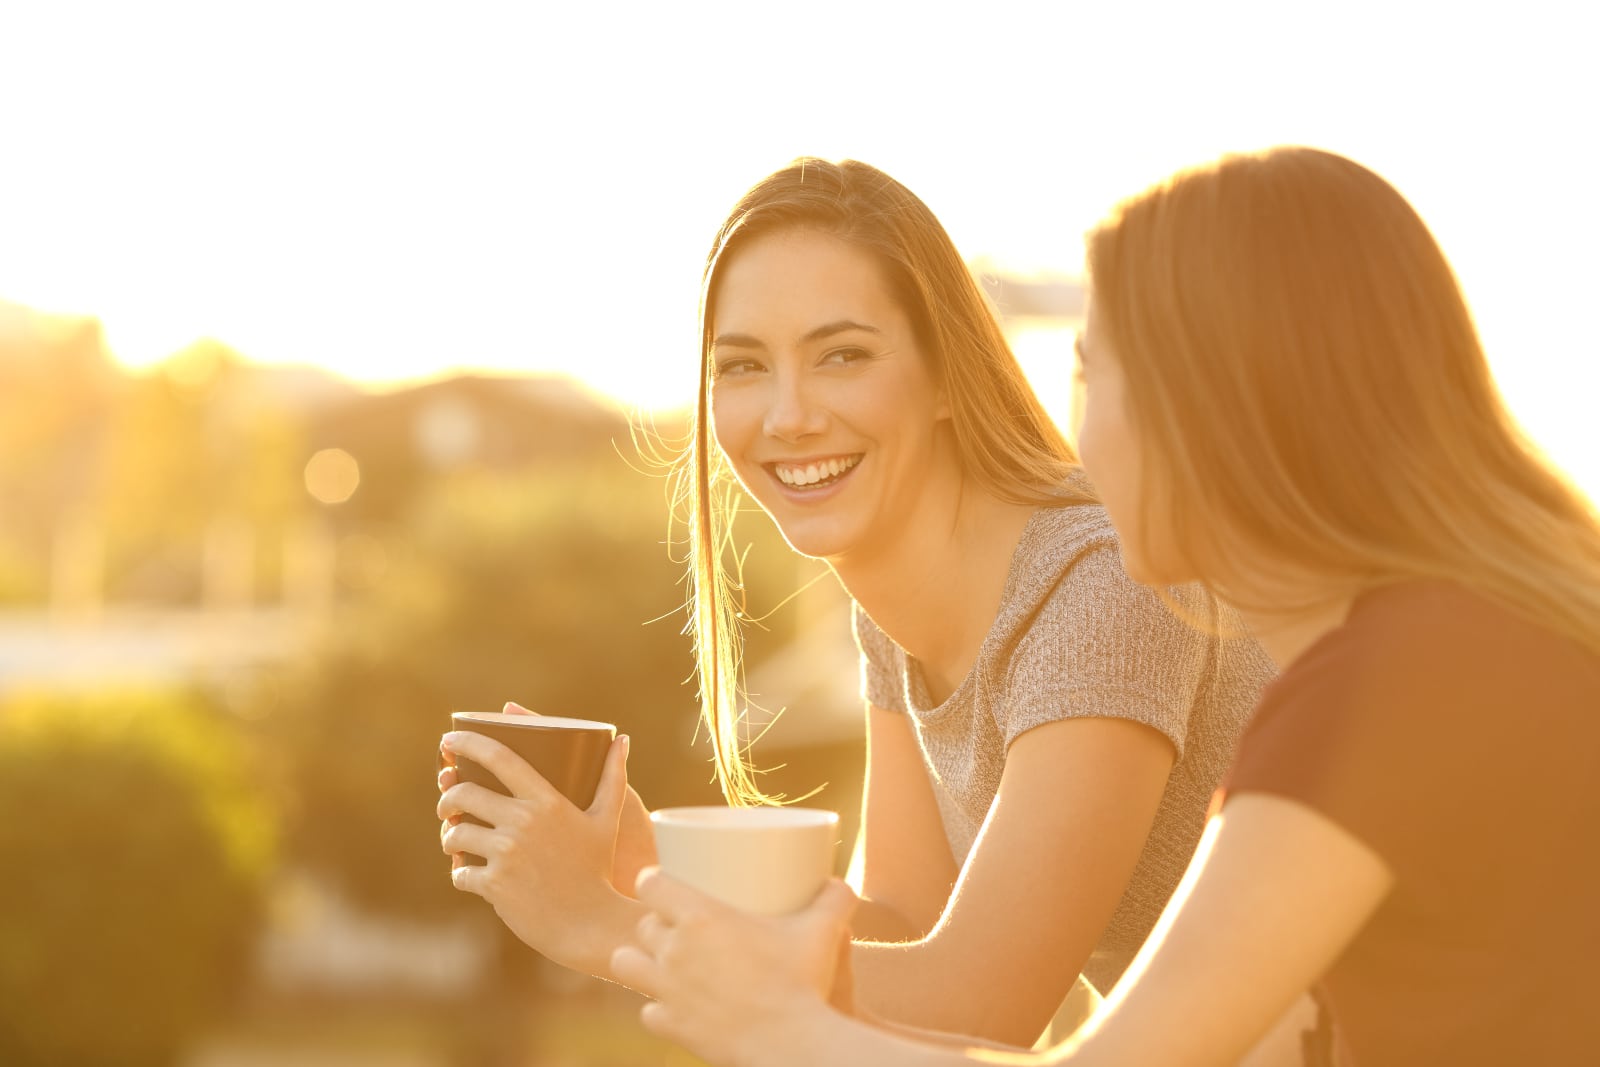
pixel 734 366
pixel 845 356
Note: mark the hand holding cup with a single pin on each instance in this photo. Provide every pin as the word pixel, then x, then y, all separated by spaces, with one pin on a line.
pixel 549 862
pixel 731 986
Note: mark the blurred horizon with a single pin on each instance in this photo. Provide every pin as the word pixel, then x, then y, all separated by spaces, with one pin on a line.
pixel 394 192
pixel 1034 295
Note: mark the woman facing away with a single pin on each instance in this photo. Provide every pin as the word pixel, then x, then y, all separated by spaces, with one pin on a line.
pixel 1287 401
pixel 1044 735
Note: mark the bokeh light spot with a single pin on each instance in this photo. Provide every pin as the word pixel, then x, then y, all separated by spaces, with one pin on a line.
pixel 332 476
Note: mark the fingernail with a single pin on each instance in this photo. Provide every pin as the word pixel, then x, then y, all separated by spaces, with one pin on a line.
pixel 627 743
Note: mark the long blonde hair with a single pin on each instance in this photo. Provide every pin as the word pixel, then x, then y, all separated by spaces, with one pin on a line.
pixel 1309 384
pixel 1004 438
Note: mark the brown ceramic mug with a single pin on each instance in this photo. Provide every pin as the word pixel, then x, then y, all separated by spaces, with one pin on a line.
pixel 570 754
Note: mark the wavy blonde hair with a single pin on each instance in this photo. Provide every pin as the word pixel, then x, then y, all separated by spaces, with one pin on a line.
pixel 1309 384
pixel 1005 439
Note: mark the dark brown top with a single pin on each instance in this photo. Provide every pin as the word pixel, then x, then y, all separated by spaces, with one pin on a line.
pixel 1462 744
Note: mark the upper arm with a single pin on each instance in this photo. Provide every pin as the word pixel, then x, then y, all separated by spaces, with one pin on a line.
pixel 1052 862
pixel 1275 893
pixel 906 865
pixel 1104 645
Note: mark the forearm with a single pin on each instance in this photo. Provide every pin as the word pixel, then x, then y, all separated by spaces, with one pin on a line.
pixel 948 984
pixel 935 1038
pixel 829 1037
pixel 875 921
pixel 1274 894
pixel 590 945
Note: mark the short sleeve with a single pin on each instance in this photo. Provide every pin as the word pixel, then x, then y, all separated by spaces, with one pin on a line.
pixel 1434 728
pixel 883 662
pixel 1103 646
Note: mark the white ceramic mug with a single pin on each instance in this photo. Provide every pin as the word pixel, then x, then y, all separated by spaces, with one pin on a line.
pixel 763 860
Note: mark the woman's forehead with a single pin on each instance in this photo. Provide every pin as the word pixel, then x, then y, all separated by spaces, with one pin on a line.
pixel 800 279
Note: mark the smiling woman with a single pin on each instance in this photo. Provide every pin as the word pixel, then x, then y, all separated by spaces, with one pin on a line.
pixel 1042 734
pixel 821 397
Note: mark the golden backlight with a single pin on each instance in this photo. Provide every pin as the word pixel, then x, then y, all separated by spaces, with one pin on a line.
pixel 393 195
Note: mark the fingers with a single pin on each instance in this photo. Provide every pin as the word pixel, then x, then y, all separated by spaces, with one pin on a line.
pixel 635 969
pixel 447 777
pixel 512 770
pixel 469 878
pixel 834 904
pixel 674 900
pixel 652 933
pixel 657 1018
pixel 470 798
pixel 612 791
pixel 468 837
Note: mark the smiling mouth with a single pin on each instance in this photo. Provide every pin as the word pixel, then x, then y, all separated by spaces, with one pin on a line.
pixel 814 475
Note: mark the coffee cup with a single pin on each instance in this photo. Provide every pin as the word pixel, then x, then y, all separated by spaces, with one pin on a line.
pixel 570 754
pixel 763 860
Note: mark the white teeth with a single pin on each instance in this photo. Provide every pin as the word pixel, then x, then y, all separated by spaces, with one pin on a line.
pixel 812 473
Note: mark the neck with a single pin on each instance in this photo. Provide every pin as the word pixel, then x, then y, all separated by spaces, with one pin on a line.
pixel 937 588
pixel 1285 635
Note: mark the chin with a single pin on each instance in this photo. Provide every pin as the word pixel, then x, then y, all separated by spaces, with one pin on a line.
pixel 819 540
pixel 812 547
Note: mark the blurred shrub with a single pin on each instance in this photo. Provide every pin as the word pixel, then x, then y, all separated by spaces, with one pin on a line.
pixel 533 587
pixel 136 856
pixel 553 588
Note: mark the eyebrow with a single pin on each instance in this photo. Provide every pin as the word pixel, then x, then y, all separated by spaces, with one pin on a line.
pixel 744 340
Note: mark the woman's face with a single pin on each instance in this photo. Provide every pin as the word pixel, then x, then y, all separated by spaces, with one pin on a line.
pixel 1112 455
pixel 820 397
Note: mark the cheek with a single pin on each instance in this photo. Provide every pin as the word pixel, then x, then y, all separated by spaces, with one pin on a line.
pixel 1110 457
pixel 736 416
pixel 1106 449
pixel 730 421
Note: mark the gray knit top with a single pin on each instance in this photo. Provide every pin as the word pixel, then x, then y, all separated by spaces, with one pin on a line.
pixel 1075 636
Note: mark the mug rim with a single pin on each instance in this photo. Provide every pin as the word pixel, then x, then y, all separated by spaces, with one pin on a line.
pixel 530 722
pixel 722 817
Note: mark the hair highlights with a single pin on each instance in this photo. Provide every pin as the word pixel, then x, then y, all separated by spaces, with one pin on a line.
pixel 1310 386
pixel 1006 441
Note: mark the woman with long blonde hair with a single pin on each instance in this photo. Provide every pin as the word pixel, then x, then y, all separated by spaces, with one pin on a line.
pixel 1287 401
pixel 1043 734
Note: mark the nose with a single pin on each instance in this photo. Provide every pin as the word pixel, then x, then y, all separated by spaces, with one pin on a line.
pixel 792 412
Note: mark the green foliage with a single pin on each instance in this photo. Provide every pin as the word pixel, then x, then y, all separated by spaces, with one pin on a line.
pixel 552 588
pixel 137 855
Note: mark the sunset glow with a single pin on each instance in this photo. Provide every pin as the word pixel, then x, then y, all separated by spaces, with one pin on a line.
pixel 396 192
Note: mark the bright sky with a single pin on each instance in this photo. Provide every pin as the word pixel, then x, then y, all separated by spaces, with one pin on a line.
pixel 393 190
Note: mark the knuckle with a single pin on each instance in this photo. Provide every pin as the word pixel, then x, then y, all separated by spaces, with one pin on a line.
pixel 522 821
pixel 500 847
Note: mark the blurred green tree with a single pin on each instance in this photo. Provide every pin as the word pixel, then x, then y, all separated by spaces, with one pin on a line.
pixel 553 588
pixel 138 852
